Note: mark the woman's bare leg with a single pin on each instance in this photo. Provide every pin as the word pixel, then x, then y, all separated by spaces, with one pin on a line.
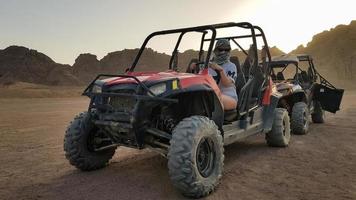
pixel 228 102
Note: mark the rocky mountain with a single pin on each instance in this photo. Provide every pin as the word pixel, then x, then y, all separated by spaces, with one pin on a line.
pixel 334 52
pixel 87 66
pixel 275 51
pixel 27 65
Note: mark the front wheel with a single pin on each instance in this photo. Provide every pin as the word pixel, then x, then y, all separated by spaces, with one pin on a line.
pixel 279 136
pixel 196 156
pixel 78 145
pixel 300 118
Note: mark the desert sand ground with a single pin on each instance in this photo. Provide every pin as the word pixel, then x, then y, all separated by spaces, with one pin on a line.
pixel 320 165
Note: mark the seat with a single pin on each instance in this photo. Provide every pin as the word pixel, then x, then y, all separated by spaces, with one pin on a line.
pixel 259 79
pixel 246 67
pixel 236 61
pixel 304 76
pixel 249 61
pixel 305 81
pixel 280 76
pixel 251 91
pixel 240 78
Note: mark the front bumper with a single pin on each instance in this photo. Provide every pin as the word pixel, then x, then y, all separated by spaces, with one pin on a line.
pixel 123 116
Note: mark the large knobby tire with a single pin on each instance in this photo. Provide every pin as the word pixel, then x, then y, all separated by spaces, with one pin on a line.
pixel 318 116
pixel 300 118
pixel 196 156
pixel 279 136
pixel 77 149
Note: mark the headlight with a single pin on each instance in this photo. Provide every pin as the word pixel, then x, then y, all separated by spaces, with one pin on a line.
pixel 96 89
pixel 158 89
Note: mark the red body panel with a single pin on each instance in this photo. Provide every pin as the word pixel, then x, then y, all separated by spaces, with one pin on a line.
pixel 267 95
pixel 186 80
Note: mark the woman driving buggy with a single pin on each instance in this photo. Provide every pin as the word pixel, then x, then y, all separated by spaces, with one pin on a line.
pixel 223 69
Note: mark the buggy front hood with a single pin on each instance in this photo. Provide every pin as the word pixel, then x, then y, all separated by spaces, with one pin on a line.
pixel 185 79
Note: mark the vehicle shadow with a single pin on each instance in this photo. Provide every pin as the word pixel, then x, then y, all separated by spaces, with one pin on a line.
pixel 249 149
pixel 143 176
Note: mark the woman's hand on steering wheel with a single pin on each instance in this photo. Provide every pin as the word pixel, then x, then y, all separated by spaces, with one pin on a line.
pixel 218 69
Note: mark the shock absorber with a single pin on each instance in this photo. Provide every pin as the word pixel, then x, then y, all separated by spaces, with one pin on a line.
pixel 168 124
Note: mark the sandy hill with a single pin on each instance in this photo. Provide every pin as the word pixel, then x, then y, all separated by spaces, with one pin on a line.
pixel 334 52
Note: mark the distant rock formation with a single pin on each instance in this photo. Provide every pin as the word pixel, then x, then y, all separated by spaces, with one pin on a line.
pixel 334 51
pixel 275 51
pixel 86 66
pixel 27 65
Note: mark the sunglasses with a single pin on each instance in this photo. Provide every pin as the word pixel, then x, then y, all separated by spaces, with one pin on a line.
pixel 221 50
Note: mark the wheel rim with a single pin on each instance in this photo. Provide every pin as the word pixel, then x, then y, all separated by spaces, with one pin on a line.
pixel 205 158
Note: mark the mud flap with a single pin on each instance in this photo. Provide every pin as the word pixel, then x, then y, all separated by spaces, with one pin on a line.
pixel 269 113
pixel 329 98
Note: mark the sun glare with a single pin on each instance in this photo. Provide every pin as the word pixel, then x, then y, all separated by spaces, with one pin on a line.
pixel 289 23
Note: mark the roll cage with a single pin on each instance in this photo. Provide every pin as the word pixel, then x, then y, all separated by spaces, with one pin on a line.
pixel 255 75
pixel 285 60
pixel 254 79
pixel 255 32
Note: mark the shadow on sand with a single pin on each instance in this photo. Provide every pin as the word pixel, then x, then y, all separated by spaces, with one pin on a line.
pixel 144 176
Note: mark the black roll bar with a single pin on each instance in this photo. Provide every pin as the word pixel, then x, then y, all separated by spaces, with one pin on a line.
pixel 202 29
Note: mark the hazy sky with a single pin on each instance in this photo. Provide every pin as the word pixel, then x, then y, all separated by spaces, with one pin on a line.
pixel 63 29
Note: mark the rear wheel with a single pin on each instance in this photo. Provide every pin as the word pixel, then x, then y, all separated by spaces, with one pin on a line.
pixel 300 118
pixel 195 157
pixel 279 136
pixel 79 147
pixel 318 115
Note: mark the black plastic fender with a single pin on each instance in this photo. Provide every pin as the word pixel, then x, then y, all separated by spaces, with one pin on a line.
pixel 269 113
pixel 217 114
pixel 300 95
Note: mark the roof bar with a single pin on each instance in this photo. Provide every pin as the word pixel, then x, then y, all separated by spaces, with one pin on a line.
pixel 234 37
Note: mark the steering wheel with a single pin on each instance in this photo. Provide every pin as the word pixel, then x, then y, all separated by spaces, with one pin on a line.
pixel 197 67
